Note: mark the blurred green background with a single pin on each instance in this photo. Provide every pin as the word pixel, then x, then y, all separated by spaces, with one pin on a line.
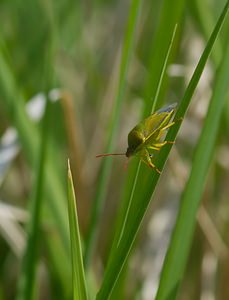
pixel 71 53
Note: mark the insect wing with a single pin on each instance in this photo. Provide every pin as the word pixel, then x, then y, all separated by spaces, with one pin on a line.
pixel 157 120
pixel 167 109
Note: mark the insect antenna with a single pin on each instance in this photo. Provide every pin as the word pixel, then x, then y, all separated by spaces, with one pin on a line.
pixel 109 154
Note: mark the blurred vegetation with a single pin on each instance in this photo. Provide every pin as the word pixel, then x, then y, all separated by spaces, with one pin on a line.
pixel 75 78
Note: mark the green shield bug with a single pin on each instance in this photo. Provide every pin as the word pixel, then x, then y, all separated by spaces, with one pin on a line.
pixel 147 136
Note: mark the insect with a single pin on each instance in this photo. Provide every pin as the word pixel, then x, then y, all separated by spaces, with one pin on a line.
pixel 147 136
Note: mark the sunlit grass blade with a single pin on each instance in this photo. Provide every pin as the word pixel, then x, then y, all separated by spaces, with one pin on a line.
pixel 138 209
pixel 176 257
pixel 28 272
pixel 106 163
pixel 78 276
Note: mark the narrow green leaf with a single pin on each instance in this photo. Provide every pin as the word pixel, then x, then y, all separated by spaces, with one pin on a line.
pixel 78 276
pixel 154 104
pixel 171 14
pixel 137 211
pixel 176 257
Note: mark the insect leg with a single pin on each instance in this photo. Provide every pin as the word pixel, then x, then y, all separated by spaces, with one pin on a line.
pixel 171 124
pixel 159 145
pixel 161 131
pixel 154 147
pixel 168 126
pixel 146 159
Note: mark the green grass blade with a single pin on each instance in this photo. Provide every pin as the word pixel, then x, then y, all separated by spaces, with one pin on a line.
pixel 26 282
pixel 138 210
pixel 192 85
pixel 176 257
pixel 106 163
pixel 154 104
pixel 78 276
pixel 170 15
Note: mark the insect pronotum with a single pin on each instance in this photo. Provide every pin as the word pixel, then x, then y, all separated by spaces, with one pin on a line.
pixel 147 136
